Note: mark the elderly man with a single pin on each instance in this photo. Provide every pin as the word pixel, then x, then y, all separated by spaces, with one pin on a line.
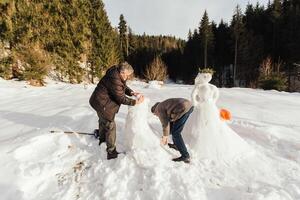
pixel 107 98
pixel 173 113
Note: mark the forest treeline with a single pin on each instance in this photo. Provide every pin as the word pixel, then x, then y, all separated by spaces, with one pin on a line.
pixel 74 41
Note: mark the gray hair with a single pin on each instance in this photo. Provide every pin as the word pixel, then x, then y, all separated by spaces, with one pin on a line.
pixel 125 66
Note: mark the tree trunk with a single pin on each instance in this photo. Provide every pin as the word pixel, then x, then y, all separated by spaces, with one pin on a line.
pixel 205 54
pixel 127 46
pixel 235 61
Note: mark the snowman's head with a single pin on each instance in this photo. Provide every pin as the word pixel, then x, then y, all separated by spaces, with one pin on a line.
pixel 203 78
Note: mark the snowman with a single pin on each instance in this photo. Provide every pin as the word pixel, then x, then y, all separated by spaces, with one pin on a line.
pixel 138 134
pixel 208 136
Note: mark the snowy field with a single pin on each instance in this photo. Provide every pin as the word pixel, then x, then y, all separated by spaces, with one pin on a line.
pixel 39 165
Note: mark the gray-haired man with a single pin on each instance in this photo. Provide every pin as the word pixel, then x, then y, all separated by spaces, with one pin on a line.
pixel 173 113
pixel 107 98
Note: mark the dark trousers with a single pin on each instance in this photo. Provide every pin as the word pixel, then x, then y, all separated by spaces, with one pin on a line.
pixel 107 131
pixel 176 128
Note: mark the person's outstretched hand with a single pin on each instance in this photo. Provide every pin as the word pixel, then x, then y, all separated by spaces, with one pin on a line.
pixel 140 99
pixel 135 94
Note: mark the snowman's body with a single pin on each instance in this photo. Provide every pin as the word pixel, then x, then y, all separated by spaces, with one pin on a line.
pixel 207 135
pixel 139 135
pixel 140 140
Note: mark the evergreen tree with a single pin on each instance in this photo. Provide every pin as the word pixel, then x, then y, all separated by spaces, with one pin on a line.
pixel 71 31
pixel 75 38
pixel 105 51
pixel 276 21
pixel 206 36
pixel 290 31
pixel 123 35
pixel 190 35
pixel 222 53
pixel 132 41
pixel 7 9
pixel 237 26
pixel 191 58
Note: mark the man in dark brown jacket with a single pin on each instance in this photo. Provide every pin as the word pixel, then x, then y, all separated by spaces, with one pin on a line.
pixel 173 113
pixel 107 98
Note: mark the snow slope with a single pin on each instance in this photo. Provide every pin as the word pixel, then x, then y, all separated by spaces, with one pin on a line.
pixel 36 164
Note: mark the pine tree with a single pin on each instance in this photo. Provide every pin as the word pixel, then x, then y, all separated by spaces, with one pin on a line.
pixel 62 33
pixel 206 36
pixel 66 36
pixel 27 48
pixel 104 40
pixel 222 53
pixel 275 18
pixel 238 29
pixel 123 35
pixel 190 34
pixel 132 41
pixel 7 9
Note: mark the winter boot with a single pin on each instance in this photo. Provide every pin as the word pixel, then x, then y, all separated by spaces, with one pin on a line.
pixel 172 146
pixel 112 155
pixel 99 136
pixel 101 139
pixel 96 133
pixel 182 159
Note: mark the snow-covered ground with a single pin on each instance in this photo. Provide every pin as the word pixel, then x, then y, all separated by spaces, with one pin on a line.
pixel 36 164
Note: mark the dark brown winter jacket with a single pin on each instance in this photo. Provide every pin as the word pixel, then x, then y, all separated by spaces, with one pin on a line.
pixel 171 110
pixel 110 93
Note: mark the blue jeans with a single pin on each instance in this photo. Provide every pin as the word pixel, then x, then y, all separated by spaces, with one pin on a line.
pixel 176 128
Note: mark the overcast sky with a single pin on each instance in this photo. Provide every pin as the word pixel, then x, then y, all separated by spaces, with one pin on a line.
pixel 170 17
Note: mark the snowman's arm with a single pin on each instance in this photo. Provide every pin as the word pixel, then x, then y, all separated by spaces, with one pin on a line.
pixel 194 96
pixel 216 94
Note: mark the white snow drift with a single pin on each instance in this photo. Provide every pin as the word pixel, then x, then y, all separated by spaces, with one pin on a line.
pixel 36 164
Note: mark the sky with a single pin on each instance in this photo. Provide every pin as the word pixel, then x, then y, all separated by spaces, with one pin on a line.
pixel 171 17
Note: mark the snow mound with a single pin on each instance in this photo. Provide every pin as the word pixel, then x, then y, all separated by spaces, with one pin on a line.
pixel 37 165
pixel 155 84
